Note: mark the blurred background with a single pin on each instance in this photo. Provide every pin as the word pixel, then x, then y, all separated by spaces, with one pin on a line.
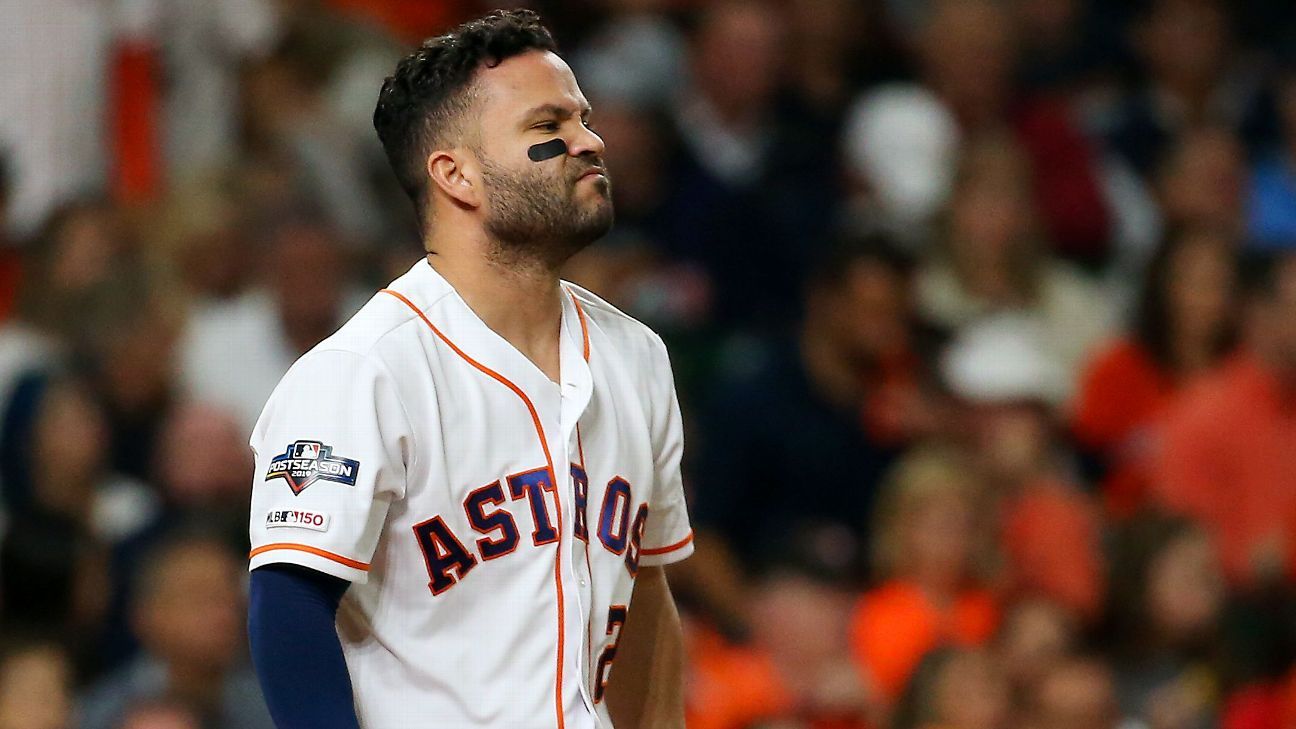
pixel 983 316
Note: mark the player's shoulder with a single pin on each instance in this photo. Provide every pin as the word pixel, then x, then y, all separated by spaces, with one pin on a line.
pixel 623 330
pixel 382 319
pixel 380 333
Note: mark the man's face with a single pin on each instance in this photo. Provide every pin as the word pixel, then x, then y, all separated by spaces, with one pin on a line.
pixel 192 616
pixel 549 209
pixel 869 315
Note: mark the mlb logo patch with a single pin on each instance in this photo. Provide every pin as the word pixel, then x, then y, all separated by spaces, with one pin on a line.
pixel 304 462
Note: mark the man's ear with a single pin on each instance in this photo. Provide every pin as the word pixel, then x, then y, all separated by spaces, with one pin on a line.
pixel 456 174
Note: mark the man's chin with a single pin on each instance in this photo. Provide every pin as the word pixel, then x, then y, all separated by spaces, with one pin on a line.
pixel 602 221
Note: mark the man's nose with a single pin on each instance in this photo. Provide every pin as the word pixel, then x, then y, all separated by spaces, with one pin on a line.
pixel 585 142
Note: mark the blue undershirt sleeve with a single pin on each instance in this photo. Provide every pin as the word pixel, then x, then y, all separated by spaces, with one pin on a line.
pixel 295 648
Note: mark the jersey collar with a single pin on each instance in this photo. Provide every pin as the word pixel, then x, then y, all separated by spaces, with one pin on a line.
pixel 447 310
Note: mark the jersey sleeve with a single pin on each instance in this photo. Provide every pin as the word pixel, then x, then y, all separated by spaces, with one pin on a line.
pixel 332 446
pixel 668 536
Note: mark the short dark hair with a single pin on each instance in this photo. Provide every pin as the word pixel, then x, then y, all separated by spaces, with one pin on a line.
pixel 420 103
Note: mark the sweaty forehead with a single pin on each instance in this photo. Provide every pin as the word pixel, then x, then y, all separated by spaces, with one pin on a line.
pixel 524 82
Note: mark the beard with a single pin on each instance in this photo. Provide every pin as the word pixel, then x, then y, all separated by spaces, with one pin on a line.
pixel 535 216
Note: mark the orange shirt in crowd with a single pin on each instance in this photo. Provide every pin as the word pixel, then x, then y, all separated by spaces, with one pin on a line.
pixel 1050 538
pixel 1262 706
pixel 1229 462
pixel 730 687
pixel 1122 397
pixel 894 625
pixel 737 687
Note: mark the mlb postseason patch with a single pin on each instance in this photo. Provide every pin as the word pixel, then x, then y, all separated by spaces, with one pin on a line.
pixel 295 518
pixel 306 461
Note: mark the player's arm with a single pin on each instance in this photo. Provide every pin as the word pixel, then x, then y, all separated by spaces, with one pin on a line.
pixel 332 451
pixel 295 648
pixel 646 687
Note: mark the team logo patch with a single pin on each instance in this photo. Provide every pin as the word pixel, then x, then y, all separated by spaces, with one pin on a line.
pixel 307 461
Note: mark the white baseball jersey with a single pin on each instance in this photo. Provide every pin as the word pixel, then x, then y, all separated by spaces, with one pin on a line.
pixel 491 520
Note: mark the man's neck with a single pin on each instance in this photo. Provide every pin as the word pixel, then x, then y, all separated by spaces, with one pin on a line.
pixel 521 303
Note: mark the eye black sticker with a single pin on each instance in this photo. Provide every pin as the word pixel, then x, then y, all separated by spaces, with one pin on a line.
pixel 547 150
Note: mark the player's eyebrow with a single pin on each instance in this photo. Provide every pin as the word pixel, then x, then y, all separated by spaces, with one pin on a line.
pixel 556 111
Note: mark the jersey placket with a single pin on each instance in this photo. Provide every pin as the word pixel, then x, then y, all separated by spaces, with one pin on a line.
pixel 575 393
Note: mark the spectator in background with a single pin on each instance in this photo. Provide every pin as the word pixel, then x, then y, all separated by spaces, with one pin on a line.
pixel 233 353
pixel 57 461
pixel 201 232
pixel 824 37
pixel 84 248
pixel 851 389
pixel 1188 78
pixel 1167 602
pixel 900 146
pixel 35 685
pixel 300 123
pixel 992 259
pixel 199 47
pixel 799 618
pixel 1271 207
pixel 87 297
pixel 160 715
pixel 1048 529
pixel 53 76
pixel 202 474
pixel 730 685
pixel 1034 635
pixel 1184 325
pixel 794 671
pixel 130 342
pixel 1076 694
pixel 1201 183
pixel 636 56
pixel 203 470
pixel 1228 460
pixel 188 618
pixel 968 54
pixel 1062 50
pixel 80 254
pixel 928 563
pixel 754 192
pixel 64 509
pixel 956 688
pixel 726 116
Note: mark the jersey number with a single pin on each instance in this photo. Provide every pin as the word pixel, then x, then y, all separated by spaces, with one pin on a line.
pixel 616 619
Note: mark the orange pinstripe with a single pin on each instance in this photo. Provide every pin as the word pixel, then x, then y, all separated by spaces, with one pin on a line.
pixel 580 313
pixel 311 550
pixel 670 548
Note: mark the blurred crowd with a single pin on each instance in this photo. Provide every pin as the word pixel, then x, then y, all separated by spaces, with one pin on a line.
pixel 982 312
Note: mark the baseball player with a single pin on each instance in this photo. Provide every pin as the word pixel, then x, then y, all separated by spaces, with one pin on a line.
pixel 463 499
